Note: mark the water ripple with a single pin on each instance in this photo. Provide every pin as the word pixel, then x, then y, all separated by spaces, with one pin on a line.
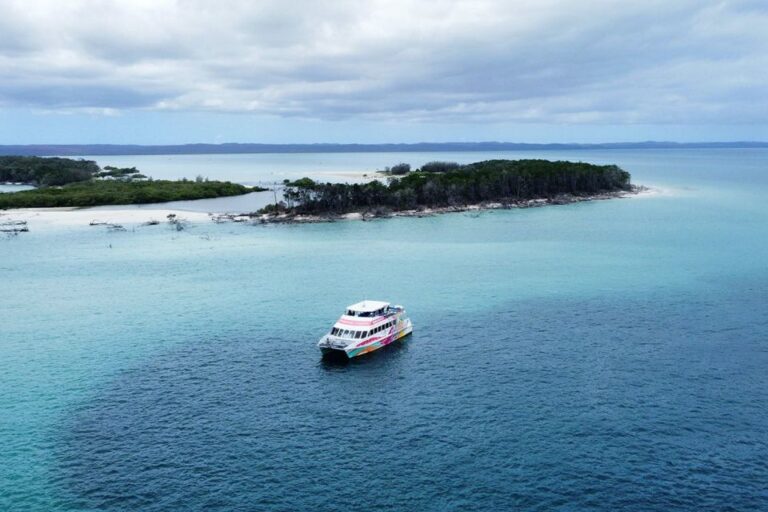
pixel 646 416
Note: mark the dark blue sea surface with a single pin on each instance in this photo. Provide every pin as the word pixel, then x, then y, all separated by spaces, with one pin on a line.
pixel 601 356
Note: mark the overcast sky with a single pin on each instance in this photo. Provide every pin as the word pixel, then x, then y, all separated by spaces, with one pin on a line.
pixel 165 71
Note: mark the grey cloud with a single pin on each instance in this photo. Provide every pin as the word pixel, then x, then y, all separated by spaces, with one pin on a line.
pixel 556 61
pixel 77 96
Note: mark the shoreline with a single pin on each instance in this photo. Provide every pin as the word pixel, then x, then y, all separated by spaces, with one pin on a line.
pixel 381 213
pixel 32 219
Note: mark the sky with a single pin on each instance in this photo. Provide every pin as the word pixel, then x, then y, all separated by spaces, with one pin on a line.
pixel 371 71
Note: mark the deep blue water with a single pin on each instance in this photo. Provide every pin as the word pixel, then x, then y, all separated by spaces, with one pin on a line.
pixel 601 356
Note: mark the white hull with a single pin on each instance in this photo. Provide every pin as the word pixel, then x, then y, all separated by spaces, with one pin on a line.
pixel 350 352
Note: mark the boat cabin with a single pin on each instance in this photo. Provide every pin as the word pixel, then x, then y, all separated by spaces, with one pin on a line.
pixel 368 308
pixel 357 334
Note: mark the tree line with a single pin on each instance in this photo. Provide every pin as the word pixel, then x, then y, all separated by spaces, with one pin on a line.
pixel 115 192
pixel 53 171
pixel 450 184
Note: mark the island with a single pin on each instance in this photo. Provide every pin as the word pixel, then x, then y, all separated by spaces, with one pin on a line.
pixel 448 186
pixel 82 183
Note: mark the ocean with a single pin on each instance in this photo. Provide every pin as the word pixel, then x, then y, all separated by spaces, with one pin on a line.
pixel 608 355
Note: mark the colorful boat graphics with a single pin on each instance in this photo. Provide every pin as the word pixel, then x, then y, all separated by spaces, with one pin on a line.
pixel 365 327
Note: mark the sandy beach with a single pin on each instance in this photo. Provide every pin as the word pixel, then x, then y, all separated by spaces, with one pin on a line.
pixel 37 219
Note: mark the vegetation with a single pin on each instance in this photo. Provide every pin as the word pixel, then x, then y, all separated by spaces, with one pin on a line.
pixel 400 169
pixel 449 184
pixel 68 182
pixel 33 170
pixel 100 192
pixel 120 173
pixel 440 167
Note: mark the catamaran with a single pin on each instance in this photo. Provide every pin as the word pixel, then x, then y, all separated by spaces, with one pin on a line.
pixel 365 327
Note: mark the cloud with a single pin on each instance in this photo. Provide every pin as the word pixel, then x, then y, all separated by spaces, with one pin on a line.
pixel 545 61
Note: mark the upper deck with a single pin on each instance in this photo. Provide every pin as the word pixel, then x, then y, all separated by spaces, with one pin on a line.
pixel 367 308
pixel 367 313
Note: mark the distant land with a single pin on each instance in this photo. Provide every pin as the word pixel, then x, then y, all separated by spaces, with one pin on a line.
pixel 229 148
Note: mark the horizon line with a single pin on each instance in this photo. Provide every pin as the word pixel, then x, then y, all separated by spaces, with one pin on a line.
pixel 105 149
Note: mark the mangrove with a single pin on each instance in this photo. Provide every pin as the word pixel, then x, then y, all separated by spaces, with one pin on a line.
pixel 82 183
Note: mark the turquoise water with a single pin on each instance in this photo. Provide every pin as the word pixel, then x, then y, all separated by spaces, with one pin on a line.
pixel 599 356
pixel 274 167
pixel 5 187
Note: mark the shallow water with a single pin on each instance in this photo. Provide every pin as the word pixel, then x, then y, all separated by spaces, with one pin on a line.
pixel 9 187
pixel 597 356
pixel 269 168
pixel 245 203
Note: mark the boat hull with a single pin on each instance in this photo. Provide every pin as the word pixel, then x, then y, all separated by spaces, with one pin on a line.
pixel 356 351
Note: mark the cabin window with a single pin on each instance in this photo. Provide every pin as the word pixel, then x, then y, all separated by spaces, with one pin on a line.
pixel 358 334
pixel 334 331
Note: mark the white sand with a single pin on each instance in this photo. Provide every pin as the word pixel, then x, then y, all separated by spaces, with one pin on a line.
pixel 349 177
pixel 51 218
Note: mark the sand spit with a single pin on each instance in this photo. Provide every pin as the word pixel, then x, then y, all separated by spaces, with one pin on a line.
pixel 41 219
